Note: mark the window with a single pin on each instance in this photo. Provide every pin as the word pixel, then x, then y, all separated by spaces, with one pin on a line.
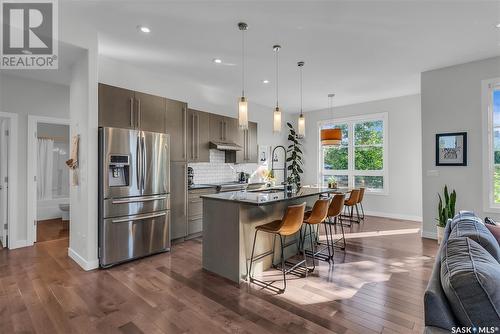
pixel 493 169
pixel 360 160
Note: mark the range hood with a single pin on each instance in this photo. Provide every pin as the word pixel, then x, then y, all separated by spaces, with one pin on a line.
pixel 225 146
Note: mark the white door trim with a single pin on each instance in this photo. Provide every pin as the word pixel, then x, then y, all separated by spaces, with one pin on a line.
pixel 12 182
pixel 32 170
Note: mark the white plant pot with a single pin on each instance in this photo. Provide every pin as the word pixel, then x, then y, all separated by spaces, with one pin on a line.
pixel 440 233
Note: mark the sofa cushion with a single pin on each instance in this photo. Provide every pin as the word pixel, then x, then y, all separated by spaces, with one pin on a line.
pixel 495 230
pixel 470 280
pixel 472 227
pixel 465 215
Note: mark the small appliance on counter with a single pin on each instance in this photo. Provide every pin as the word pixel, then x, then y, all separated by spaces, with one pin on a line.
pixel 243 177
pixel 190 176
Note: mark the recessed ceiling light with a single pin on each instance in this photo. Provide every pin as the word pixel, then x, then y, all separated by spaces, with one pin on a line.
pixel 144 29
pixel 498 25
pixel 217 60
pixel 265 81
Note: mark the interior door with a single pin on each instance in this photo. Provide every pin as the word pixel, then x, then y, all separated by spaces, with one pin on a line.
pixel 116 107
pixel 3 185
pixel 150 112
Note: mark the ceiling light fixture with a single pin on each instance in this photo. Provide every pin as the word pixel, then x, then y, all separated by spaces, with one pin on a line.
pixel 302 120
pixel 277 111
pixel 498 25
pixel 331 137
pixel 265 81
pixel 144 29
pixel 217 60
pixel 243 103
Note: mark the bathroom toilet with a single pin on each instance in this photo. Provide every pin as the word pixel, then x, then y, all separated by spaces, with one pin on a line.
pixel 64 207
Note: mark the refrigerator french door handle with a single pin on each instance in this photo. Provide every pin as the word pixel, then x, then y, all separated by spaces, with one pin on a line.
pixel 138 162
pixel 139 217
pixel 166 176
pixel 143 161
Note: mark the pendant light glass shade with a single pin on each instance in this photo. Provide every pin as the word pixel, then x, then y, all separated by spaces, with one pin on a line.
pixel 302 126
pixel 243 103
pixel 243 113
pixel 277 111
pixel 277 120
pixel 302 120
pixel 331 137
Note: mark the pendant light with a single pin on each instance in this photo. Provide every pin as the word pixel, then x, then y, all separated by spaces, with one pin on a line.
pixel 277 111
pixel 331 137
pixel 243 103
pixel 302 119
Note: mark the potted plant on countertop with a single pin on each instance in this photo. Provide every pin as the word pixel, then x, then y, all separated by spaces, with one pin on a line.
pixel 294 159
pixel 446 211
pixel 332 182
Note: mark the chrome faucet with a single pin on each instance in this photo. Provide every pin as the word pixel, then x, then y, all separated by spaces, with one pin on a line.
pixel 284 163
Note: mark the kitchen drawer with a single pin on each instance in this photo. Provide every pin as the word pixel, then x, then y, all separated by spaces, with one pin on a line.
pixel 195 208
pixel 195 225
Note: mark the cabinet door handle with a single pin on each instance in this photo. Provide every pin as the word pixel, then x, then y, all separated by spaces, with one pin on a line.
pixel 225 130
pixel 139 113
pixel 131 112
pixel 197 136
pixel 184 128
pixel 192 136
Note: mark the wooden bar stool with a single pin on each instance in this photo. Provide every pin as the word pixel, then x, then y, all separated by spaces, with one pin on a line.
pixel 312 219
pixel 289 225
pixel 335 217
pixel 360 203
pixel 350 204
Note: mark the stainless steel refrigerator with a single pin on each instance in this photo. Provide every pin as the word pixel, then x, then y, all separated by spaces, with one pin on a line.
pixel 134 191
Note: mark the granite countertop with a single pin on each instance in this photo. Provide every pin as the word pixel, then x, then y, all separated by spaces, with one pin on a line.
pixel 270 195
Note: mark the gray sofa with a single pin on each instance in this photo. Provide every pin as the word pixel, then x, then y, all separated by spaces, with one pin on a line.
pixel 464 288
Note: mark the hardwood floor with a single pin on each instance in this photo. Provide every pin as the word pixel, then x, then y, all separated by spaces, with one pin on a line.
pixel 52 229
pixel 375 286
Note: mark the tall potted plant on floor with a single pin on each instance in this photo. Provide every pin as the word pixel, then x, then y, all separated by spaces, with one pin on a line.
pixel 446 210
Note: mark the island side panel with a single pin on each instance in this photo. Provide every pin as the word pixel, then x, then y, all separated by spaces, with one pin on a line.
pixel 221 238
pixel 252 216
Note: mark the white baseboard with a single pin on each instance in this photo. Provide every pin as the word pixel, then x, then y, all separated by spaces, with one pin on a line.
pixel 86 265
pixel 18 244
pixel 394 216
pixel 429 235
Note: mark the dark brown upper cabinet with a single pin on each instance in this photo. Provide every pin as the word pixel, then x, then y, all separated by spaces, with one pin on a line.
pixel 223 129
pixel 248 140
pixel 123 108
pixel 150 112
pixel 176 126
pixel 198 136
pixel 117 107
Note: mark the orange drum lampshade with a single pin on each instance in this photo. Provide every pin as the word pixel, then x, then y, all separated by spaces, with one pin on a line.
pixel 331 137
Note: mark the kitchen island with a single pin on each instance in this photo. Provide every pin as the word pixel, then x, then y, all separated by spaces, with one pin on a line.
pixel 229 221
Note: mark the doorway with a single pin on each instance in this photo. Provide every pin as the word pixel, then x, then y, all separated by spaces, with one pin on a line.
pixel 50 194
pixel 4 175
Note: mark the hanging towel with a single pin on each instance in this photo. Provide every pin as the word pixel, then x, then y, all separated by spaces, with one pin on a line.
pixel 73 159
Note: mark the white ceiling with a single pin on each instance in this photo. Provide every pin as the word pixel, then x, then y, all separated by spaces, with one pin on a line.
pixel 360 50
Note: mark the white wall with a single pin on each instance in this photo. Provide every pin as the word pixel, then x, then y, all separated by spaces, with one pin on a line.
pixel 451 102
pixel 404 199
pixel 25 97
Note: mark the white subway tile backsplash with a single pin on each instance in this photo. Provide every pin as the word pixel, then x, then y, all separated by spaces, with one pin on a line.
pixel 217 171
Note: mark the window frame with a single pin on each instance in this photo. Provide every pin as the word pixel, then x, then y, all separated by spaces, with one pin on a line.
pixel 488 87
pixel 351 172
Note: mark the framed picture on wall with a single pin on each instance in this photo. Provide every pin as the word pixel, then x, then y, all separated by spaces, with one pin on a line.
pixel 451 149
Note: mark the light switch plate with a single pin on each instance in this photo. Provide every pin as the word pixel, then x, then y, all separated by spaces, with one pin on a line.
pixel 433 172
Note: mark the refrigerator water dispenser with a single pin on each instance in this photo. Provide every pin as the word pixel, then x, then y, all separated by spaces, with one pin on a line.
pixel 118 171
